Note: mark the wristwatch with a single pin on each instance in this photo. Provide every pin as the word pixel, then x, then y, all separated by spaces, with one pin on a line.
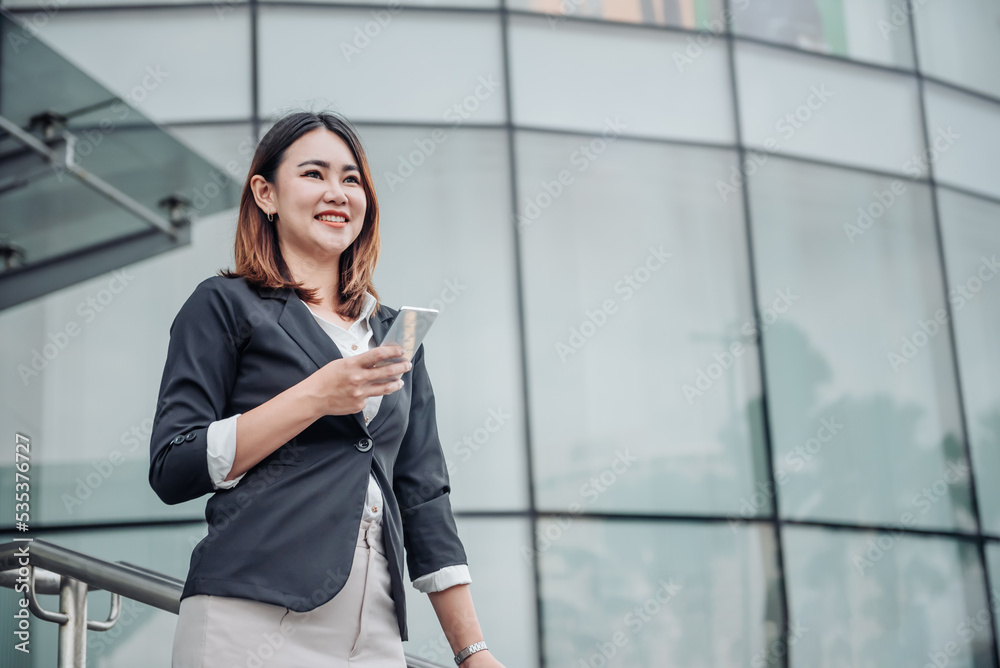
pixel 469 651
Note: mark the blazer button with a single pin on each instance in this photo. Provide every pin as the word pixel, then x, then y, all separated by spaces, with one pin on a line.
pixel 177 440
pixel 364 445
pixel 190 437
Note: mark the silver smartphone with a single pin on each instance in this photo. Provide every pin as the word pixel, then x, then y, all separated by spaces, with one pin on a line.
pixel 408 330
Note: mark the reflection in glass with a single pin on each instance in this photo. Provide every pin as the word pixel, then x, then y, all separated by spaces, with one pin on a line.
pixel 564 79
pixel 89 409
pixel 447 243
pixel 206 75
pixel 972 248
pixel 861 386
pixel 504 591
pixel 636 408
pixel 689 14
pixel 829 110
pixel 965 139
pixel 395 5
pixel 879 599
pixel 422 66
pixel 993 564
pixel 668 594
pixel 959 42
pixel 875 30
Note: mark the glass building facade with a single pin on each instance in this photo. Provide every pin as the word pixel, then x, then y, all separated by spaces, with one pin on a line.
pixel 716 367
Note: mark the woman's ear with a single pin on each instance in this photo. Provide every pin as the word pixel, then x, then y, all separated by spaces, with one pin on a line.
pixel 263 193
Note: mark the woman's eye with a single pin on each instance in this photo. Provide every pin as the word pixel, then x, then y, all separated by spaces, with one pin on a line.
pixel 311 171
pixel 355 179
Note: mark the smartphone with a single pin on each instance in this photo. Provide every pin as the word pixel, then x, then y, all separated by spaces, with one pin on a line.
pixel 408 330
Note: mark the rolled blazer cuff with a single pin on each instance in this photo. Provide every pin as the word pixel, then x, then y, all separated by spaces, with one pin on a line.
pixel 222 451
pixel 186 453
pixel 431 537
pixel 449 576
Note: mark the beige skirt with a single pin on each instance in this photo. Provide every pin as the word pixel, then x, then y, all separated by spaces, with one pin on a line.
pixel 355 629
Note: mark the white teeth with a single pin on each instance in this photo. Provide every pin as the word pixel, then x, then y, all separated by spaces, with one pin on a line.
pixel 332 219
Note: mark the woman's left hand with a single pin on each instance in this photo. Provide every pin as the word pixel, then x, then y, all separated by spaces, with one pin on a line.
pixel 482 659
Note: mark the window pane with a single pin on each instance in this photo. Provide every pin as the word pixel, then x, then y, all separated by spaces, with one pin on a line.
pixel 861 386
pixel 616 79
pixel 697 15
pixel 966 139
pixel 632 377
pixel 228 146
pixel 87 399
pixel 406 70
pixel 504 590
pixel 993 563
pixel 878 599
pixel 223 6
pixel 874 30
pixel 163 76
pixel 662 594
pixel 959 41
pixel 390 5
pixel 447 243
pixel 972 245
pixel 808 106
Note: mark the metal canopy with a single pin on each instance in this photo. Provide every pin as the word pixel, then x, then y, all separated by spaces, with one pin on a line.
pixel 87 183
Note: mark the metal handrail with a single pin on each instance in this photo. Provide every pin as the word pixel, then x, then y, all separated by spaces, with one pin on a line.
pixel 159 592
pixel 121 578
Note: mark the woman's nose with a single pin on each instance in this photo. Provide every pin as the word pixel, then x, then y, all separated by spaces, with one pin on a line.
pixel 335 193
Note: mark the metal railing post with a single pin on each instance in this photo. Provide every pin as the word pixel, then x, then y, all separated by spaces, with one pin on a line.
pixel 73 632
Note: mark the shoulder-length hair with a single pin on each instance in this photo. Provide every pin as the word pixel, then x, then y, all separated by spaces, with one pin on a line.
pixel 257 253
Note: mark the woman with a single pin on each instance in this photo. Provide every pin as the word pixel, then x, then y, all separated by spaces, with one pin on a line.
pixel 321 467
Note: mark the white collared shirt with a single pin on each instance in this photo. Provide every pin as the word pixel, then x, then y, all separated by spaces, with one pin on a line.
pixel 354 340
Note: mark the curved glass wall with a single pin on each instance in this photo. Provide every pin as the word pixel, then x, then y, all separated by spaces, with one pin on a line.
pixel 716 363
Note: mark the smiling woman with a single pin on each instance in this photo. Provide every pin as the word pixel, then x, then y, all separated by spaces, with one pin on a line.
pixel 321 466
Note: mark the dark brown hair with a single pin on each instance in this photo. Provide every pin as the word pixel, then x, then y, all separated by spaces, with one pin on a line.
pixel 257 253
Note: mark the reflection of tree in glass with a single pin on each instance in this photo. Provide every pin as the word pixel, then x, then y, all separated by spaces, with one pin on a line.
pixel 877 464
pixel 878 467
pixel 985 437
pixel 598 575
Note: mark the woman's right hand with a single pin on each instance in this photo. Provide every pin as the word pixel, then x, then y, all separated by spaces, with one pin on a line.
pixel 343 386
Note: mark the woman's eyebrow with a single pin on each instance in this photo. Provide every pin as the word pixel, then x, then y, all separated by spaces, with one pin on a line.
pixel 326 165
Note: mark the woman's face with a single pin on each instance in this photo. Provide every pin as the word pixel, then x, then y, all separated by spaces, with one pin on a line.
pixel 318 186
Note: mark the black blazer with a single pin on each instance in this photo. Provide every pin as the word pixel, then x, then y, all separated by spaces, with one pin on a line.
pixel 286 533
